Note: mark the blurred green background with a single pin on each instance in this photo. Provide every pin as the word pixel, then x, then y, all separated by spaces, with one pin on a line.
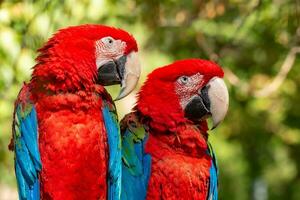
pixel 255 41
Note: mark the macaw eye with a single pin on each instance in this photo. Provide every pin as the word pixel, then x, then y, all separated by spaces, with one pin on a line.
pixel 183 80
pixel 108 40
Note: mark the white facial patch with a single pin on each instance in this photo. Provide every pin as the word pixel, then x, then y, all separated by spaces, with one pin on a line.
pixel 108 49
pixel 188 86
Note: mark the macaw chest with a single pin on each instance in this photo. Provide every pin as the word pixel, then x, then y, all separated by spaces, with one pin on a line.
pixel 72 143
pixel 175 175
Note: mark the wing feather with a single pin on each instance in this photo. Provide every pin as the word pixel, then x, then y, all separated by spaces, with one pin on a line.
pixel 27 157
pixel 213 180
pixel 114 143
pixel 136 163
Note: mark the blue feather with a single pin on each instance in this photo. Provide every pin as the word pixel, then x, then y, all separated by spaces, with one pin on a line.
pixel 147 169
pixel 27 156
pixel 21 182
pixel 114 143
pixel 213 180
pixel 30 141
pixel 136 166
pixel 213 187
pixel 35 190
pixel 24 162
pixel 33 117
pixel 133 159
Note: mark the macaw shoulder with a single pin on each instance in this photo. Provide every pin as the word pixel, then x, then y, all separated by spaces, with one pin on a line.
pixel 134 137
pixel 23 100
pixel 133 123
pixel 136 164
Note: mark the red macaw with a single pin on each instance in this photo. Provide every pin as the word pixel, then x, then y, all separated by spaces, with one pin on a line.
pixel 66 136
pixel 165 149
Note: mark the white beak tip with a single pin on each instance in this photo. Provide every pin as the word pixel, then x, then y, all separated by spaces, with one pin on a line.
pixel 219 97
pixel 121 95
pixel 131 75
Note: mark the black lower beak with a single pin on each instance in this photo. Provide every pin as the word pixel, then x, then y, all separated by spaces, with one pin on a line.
pixel 199 106
pixel 112 72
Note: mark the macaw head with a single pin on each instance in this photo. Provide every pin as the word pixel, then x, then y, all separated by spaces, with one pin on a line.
pixel 82 56
pixel 186 90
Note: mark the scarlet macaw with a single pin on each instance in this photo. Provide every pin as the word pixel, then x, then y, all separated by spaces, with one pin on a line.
pixel 165 148
pixel 66 136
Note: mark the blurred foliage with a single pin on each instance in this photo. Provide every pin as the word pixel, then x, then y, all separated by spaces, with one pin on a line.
pixel 256 42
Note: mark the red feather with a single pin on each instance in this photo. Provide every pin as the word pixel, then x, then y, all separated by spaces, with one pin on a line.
pixel 180 164
pixel 73 147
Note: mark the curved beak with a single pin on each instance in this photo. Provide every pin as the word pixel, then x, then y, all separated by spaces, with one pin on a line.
pixel 212 100
pixel 132 71
pixel 125 71
pixel 219 100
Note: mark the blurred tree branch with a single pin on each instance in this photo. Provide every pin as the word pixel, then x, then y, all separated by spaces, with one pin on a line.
pixel 231 77
pixel 280 77
pixel 277 80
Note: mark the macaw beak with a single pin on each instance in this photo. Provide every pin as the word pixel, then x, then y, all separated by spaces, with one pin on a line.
pixel 212 100
pixel 124 70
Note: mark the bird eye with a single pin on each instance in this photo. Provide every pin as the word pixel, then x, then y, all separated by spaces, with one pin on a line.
pixel 108 40
pixel 183 79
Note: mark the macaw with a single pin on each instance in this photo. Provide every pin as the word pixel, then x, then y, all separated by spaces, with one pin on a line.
pixel 165 148
pixel 66 136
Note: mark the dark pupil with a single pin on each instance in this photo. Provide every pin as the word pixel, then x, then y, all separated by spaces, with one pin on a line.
pixel 110 41
pixel 184 79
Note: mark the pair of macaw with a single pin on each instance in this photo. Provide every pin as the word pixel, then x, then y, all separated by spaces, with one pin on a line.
pixel 69 145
